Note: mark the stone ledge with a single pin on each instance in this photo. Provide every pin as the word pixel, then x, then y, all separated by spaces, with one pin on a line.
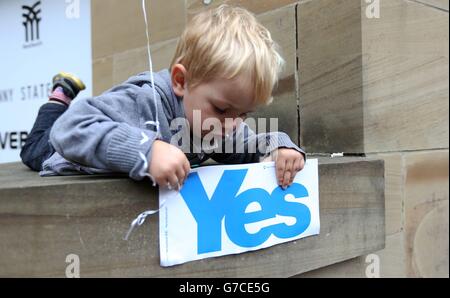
pixel 42 220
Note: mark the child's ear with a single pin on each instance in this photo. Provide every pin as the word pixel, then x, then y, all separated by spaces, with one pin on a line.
pixel 178 76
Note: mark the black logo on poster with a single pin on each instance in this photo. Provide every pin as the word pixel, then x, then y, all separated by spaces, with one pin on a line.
pixel 31 20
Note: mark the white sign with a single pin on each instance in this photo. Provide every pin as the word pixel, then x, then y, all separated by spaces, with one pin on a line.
pixel 231 209
pixel 38 39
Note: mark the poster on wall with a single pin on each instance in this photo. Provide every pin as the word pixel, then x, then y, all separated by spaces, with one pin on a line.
pixel 38 39
pixel 231 209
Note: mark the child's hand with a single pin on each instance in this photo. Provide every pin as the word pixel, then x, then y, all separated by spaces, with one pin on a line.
pixel 288 163
pixel 169 167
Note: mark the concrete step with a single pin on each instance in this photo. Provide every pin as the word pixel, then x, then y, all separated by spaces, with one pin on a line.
pixel 43 220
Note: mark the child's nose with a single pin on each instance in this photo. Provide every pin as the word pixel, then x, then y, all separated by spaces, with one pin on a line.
pixel 230 126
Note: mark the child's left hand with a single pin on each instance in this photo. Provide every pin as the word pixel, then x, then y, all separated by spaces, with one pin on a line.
pixel 288 163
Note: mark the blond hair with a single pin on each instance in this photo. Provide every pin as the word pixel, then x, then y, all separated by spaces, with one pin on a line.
pixel 228 41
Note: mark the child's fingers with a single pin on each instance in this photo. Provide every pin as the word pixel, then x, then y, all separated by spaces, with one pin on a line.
pixel 298 164
pixel 302 163
pixel 161 181
pixel 287 173
pixel 187 167
pixel 173 182
pixel 280 167
pixel 274 156
pixel 181 174
pixel 286 179
pixel 296 168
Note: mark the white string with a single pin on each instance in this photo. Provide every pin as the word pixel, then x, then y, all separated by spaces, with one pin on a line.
pixel 152 80
pixel 138 221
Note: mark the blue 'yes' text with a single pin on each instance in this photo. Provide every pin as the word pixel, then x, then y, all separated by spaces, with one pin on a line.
pixel 224 203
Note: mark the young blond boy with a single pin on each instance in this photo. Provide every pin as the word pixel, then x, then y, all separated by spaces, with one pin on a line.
pixel 225 66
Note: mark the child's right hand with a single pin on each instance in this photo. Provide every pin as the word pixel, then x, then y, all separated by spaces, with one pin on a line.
pixel 169 167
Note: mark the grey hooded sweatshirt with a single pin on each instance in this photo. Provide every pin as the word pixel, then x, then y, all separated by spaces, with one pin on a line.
pixel 114 132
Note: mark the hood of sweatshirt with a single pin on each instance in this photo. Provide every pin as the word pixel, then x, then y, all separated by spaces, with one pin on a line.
pixel 171 103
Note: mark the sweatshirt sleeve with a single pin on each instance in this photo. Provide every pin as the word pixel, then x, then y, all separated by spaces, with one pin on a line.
pixel 98 133
pixel 249 147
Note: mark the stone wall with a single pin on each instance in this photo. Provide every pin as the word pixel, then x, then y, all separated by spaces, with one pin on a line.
pixel 398 114
pixel 377 87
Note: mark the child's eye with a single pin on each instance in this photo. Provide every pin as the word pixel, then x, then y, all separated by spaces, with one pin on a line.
pixel 220 111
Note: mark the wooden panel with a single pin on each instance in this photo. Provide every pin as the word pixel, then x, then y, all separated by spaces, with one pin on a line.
pixel 88 216
pixel 392 263
pixel 442 4
pixel 393 257
pixel 102 75
pixel 330 74
pixel 135 61
pixel 283 109
pixel 427 213
pixel 118 25
pixel 404 104
pixel 394 183
pixel 281 24
pixel 353 268
pixel 255 6
pixel 406 78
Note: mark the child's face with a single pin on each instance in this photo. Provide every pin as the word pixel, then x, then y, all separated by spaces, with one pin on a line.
pixel 218 99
